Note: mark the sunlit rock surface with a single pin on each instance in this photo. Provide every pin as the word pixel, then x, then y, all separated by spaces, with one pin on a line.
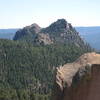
pixel 79 80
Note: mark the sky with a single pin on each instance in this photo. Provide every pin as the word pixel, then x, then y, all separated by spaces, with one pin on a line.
pixel 20 13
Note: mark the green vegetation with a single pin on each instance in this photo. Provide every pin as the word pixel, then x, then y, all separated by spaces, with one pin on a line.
pixel 27 65
pixel 26 71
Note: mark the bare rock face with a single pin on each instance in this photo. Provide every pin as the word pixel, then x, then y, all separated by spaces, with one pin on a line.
pixel 28 31
pixel 43 39
pixel 79 80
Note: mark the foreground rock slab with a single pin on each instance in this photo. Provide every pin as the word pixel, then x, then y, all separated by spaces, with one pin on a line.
pixel 79 80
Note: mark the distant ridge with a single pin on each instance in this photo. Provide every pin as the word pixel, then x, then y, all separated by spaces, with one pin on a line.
pixel 91 35
pixel 10 30
pixel 7 33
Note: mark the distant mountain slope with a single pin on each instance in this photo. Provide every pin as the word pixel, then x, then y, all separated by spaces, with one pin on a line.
pixel 58 32
pixel 91 35
pixel 8 30
pixel 7 33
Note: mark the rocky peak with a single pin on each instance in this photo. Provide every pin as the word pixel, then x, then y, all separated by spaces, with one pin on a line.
pixel 28 31
pixel 33 28
pixel 60 32
pixel 61 25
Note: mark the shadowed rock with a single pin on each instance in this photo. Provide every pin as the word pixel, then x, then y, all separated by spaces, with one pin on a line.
pixel 79 80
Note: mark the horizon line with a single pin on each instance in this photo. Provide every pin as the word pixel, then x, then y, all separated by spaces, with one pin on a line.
pixel 44 27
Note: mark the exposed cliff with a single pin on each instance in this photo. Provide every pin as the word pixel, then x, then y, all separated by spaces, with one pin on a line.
pixel 79 80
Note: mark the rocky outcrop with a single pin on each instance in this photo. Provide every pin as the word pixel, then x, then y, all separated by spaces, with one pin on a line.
pixel 28 31
pixel 63 32
pixel 79 80
pixel 43 39
pixel 59 32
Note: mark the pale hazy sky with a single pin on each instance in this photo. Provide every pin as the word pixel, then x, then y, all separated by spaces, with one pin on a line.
pixel 19 13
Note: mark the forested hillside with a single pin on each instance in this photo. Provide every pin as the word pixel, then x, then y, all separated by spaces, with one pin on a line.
pixel 28 63
pixel 26 71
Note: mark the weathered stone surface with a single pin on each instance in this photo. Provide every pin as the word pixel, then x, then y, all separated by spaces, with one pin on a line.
pixel 79 80
pixel 43 39
pixel 30 31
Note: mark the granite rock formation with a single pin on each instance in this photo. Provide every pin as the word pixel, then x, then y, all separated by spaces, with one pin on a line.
pixel 58 32
pixel 43 39
pixel 79 80
pixel 27 31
